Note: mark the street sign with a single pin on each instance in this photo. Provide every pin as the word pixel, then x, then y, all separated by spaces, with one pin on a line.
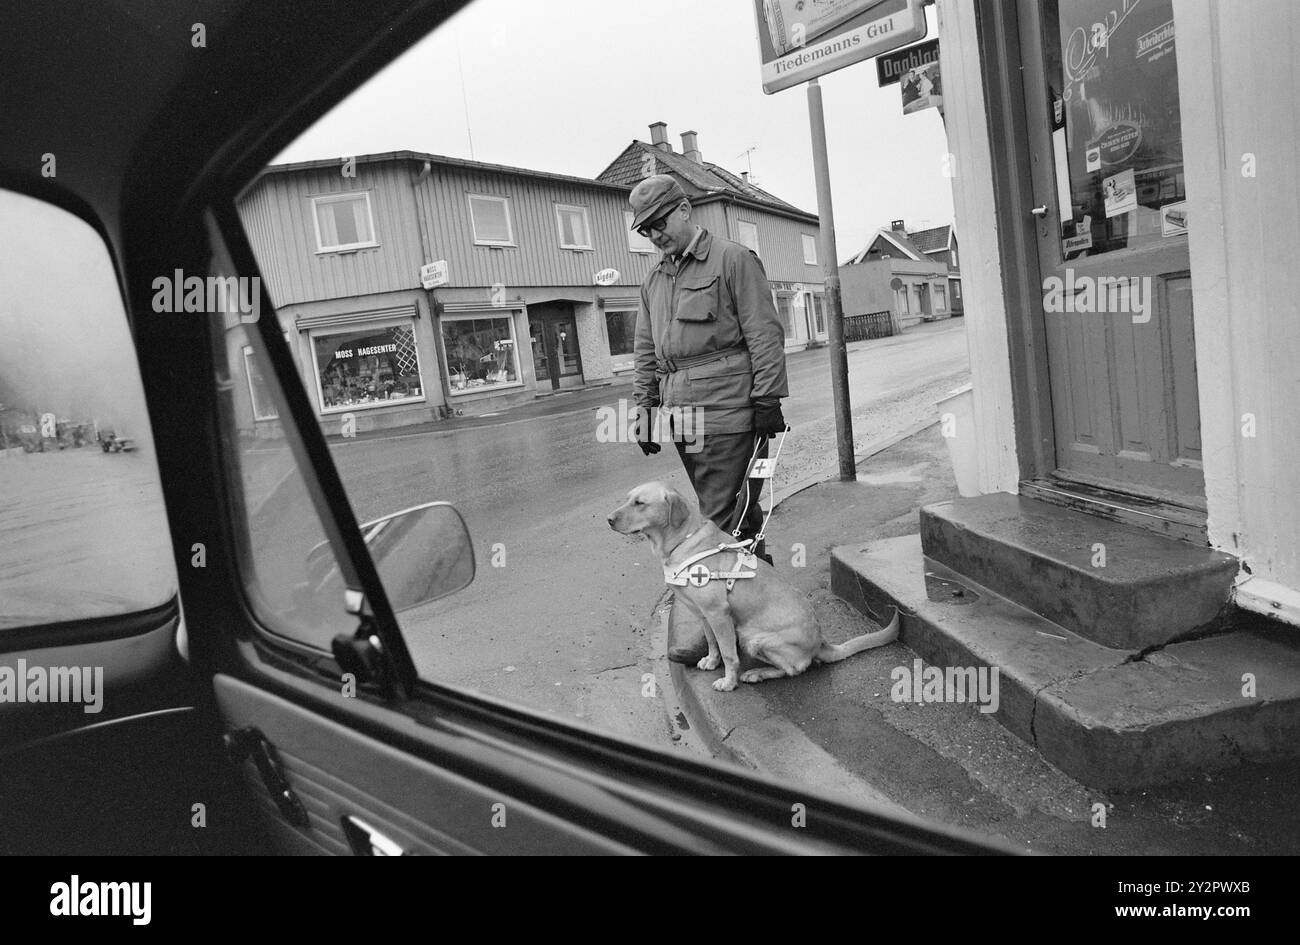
pixel 434 274
pixel 891 66
pixel 799 41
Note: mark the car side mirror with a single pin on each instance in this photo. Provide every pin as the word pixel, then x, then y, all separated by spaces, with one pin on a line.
pixel 422 553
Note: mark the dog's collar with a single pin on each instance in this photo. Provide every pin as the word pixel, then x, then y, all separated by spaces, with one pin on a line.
pixel 690 572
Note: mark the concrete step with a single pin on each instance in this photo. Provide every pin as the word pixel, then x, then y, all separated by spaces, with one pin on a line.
pixel 1112 718
pixel 1112 583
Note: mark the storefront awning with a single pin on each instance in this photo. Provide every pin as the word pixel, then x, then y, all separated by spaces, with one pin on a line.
pixel 305 322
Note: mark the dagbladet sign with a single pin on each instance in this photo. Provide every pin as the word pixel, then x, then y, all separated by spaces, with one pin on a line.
pixel 800 40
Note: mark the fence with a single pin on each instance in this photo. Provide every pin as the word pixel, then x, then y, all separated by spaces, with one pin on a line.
pixel 872 325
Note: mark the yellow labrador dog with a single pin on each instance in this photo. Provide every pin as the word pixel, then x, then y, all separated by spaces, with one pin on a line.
pixel 767 618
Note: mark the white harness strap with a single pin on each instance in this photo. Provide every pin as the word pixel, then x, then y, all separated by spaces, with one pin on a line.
pixel 690 572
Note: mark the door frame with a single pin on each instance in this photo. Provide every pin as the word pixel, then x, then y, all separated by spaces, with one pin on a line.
pixel 998 30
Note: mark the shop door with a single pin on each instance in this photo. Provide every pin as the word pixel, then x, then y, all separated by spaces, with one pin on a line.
pixel 1104 132
pixel 555 345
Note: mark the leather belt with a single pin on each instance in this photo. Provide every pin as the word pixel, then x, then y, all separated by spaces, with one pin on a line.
pixel 673 365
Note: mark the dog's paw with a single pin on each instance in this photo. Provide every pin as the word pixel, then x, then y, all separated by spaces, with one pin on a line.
pixel 725 684
pixel 709 662
pixel 752 676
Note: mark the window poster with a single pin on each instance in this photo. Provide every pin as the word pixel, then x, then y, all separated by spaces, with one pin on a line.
pixel 1113 66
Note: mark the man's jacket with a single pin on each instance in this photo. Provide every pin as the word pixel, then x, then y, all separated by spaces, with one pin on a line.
pixel 715 299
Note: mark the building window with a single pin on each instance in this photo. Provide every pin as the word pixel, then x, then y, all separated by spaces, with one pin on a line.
pixel 954 258
pixel 481 353
pixel 343 222
pixel 940 299
pixel 258 392
pixel 900 300
pixel 955 284
pixel 374 366
pixel 490 217
pixel 636 243
pixel 574 232
pixel 917 307
pixel 819 312
pixel 747 235
pixel 810 249
pixel 621 327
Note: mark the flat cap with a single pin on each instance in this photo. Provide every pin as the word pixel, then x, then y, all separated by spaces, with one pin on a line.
pixel 652 196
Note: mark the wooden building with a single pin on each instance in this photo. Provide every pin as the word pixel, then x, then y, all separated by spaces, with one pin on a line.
pixel 914 276
pixel 538 278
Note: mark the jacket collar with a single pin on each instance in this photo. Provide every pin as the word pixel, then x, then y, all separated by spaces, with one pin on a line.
pixel 699 248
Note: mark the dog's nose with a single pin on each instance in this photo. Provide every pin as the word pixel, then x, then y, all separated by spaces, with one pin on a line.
pixel 610 519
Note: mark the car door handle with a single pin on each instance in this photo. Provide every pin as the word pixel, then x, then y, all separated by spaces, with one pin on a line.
pixel 365 840
pixel 249 742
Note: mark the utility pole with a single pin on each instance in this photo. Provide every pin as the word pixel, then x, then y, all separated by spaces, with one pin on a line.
pixel 831 268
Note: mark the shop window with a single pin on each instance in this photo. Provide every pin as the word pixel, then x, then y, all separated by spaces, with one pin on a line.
pixel 819 312
pixel 810 249
pixel 574 232
pixel 481 353
pixel 940 299
pixel 343 222
pixel 490 217
pixel 747 235
pixel 621 327
pixel 374 366
pixel 636 243
pixel 900 301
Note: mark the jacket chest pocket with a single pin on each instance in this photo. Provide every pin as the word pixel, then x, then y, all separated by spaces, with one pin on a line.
pixel 697 299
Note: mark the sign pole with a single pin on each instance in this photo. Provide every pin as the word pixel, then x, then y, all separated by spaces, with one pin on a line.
pixel 831 269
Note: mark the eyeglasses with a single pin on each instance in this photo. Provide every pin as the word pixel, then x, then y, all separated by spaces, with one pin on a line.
pixel 656 226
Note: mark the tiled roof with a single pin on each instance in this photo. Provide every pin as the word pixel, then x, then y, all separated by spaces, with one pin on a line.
pixel 928 241
pixel 697 180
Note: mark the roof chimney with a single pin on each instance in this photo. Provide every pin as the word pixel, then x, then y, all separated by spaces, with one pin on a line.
pixel 659 136
pixel 690 148
pixel 897 226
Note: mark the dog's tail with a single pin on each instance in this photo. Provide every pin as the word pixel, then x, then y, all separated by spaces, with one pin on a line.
pixel 834 652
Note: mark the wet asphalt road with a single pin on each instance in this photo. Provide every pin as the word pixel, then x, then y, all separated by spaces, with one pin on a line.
pixel 559 614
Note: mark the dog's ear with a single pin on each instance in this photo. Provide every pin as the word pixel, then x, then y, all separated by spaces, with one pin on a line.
pixel 678 510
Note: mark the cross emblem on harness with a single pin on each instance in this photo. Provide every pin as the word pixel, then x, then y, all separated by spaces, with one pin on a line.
pixel 762 469
pixel 698 575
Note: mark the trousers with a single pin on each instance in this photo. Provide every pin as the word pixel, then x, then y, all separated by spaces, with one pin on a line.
pixel 717 472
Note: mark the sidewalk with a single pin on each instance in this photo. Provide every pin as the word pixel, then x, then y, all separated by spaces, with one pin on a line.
pixel 836 727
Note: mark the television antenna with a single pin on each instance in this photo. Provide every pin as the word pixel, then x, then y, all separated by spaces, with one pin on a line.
pixel 749 163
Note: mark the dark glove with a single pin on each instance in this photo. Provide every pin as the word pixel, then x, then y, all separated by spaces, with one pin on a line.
pixel 768 419
pixel 643 431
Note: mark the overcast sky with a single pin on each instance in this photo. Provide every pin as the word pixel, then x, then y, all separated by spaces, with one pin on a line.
pixel 564 87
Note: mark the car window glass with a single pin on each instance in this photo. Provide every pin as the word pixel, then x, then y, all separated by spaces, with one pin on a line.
pixel 83 530
pixel 288 565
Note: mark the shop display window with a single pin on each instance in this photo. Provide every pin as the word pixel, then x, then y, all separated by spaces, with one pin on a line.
pixel 481 353
pixel 373 366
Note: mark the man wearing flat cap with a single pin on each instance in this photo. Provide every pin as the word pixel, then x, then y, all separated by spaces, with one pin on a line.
pixel 708 341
